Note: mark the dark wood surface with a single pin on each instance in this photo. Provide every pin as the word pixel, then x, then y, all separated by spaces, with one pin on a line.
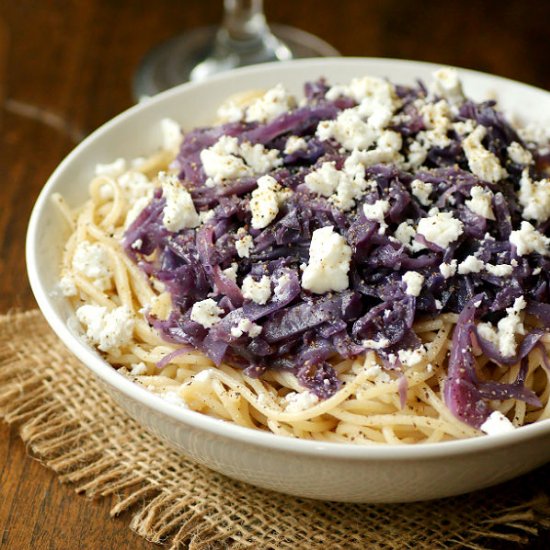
pixel 66 67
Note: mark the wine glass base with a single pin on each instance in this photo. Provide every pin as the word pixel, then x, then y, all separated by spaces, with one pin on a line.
pixel 172 62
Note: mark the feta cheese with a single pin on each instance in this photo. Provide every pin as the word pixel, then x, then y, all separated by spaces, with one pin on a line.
pixel 258 158
pixel 246 326
pixel 413 282
pixel 502 270
pixel 446 84
pixel 230 111
pixel 518 154
pixel 377 212
pixel 67 286
pixel 257 291
pixel 135 185
pixel 497 424
pixel 205 216
pixel 503 337
pixel 108 330
pixel 294 144
pixel 527 239
pixel 220 162
pixel 342 188
pixel 481 202
pixel 440 229
pixel 273 103
pixel 112 169
pixel 329 262
pixel 137 244
pixel 244 244
pixel 138 369
pixel 410 357
pixel 231 272
pixel 377 374
pixel 135 211
pixel 172 135
pixel 534 196
pixel 448 270
pixel 92 260
pixel 376 344
pixel 206 313
pixel 470 265
pixel 280 284
pixel 464 127
pixel 437 120
pixel 484 164
pixel 179 212
pixel 265 201
pixel 405 233
pixel 298 402
pixel 422 191
pixel 349 129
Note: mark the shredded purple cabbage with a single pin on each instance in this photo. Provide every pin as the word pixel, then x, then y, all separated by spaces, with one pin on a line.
pixel 301 331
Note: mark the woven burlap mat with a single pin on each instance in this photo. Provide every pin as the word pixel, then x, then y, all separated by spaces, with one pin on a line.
pixel 70 425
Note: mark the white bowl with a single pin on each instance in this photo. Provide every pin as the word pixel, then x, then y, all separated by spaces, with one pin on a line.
pixel 327 471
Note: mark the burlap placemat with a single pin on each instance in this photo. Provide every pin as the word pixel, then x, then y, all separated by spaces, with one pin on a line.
pixel 69 424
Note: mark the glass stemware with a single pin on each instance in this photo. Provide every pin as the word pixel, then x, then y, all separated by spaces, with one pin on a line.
pixel 244 38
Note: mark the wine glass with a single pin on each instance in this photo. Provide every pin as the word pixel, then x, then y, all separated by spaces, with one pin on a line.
pixel 244 38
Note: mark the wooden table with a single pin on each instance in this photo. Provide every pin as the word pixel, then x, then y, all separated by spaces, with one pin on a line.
pixel 66 67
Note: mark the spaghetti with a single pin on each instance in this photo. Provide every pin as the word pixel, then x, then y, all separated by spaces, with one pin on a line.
pixel 385 393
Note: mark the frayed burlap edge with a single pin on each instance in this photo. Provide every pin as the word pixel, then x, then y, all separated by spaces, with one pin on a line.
pixel 68 423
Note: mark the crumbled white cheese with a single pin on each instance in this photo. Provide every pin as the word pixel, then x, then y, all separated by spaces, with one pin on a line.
pixel 67 286
pixel 388 145
pixel 265 201
pixel 138 369
pixel 135 185
pixel 484 164
pixel 109 330
pixel 377 212
pixel 92 260
pixel 349 129
pixel 329 262
pixel 504 335
pixel 172 135
pixel 376 344
pixel 437 120
pixel 448 270
pixel 470 265
pixel 137 244
pixel 440 229
pixel 464 127
pixel 257 291
pixel 228 159
pixel 231 272
pixel 179 212
pixel 298 402
pixel 376 373
pixel 246 325
pixel 422 190
pixel 518 154
pixel 405 233
pixel 481 202
pixel 497 424
pixel 220 162
pixel 447 84
pixel 410 357
pixel 206 313
pixel 502 270
pixel 417 154
pixel 112 169
pixel 534 196
pixel 438 304
pixel 413 282
pixel 205 216
pixel 280 283
pixel 273 103
pixel 342 188
pixel 244 244
pixel 527 239
pixel 294 144
pixel 230 111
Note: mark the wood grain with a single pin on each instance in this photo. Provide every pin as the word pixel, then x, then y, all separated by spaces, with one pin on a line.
pixel 66 67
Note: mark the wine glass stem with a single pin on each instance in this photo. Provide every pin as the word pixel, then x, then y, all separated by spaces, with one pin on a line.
pixel 244 20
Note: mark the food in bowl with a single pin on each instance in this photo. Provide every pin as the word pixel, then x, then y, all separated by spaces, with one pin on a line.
pixel 367 264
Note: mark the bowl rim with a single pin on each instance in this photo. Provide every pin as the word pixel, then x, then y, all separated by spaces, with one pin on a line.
pixel 222 428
